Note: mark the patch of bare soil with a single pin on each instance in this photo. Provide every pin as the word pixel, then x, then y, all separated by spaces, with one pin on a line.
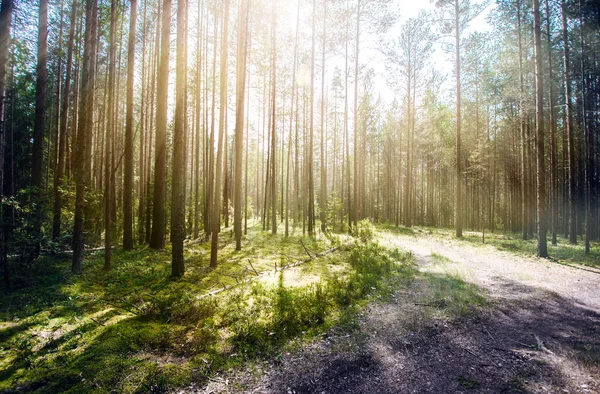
pixel 530 338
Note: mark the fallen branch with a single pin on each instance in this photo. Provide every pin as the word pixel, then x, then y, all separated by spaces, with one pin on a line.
pixel 253 269
pixel 305 249
pixel 97 322
pixel 541 346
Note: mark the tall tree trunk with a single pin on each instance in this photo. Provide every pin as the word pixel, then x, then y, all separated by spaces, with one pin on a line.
pixel 356 133
pixel 524 183
pixel 289 157
pixel 179 146
pixel 143 131
pixel 84 130
pixel 459 202
pixel 160 167
pixel 6 11
pixel 553 166
pixel 311 190
pixel 62 142
pixel 37 151
pixel 570 131
pixel 346 132
pixel 323 191
pixel 58 103
pixel 539 122
pixel 198 120
pixel 274 123
pixel 108 140
pixel 128 182
pixel 242 50
pixel 587 132
pixel 216 225
pixel 209 205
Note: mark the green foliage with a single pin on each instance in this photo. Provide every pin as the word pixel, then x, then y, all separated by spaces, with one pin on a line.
pixel 335 220
pixel 364 231
pixel 134 330
pixel 467 383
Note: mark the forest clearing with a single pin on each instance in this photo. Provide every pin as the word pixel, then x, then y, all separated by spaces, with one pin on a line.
pixel 299 196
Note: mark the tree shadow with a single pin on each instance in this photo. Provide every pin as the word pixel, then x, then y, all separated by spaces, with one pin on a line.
pixel 538 341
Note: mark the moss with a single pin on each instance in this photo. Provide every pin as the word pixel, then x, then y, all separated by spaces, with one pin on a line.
pixel 133 329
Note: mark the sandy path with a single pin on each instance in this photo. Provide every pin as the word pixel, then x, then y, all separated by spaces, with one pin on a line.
pixel 541 334
pixel 502 273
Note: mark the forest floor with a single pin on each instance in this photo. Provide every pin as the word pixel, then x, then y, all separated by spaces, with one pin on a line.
pixel 476 319
pixel 415 311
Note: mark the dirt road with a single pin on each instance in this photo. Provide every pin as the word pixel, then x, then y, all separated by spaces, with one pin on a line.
pixel 501 273
pixel 539 332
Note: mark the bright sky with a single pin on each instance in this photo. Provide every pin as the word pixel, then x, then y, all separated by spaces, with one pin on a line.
pixel 443 62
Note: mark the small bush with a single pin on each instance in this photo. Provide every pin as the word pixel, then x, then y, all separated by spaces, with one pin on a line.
pixel 364 231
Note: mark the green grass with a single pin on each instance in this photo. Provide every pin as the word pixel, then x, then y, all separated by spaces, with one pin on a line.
pixel 134 329
pixel 452 295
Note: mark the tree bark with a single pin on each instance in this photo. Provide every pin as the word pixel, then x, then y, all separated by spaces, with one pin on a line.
pixel 458 203
pixel 84 131
pixel 539 122
pixel 37 151
pixel 242 50
pixel 128 182
pixel 6 12
pixel 157 240
pixel 179 147
pixel 570 131
pixel 216 223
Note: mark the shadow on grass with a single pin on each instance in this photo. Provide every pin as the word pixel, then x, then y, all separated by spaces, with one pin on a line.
pixel 540 342
pixel 135 330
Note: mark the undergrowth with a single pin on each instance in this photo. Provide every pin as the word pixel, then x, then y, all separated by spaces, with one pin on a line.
pixel 134 330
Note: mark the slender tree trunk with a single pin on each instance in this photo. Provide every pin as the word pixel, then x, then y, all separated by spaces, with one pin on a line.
pixel 346 143
pixel 274 123
pixel 208 226
pixel 570 131
pixel 539 121
pixel 108 140
pixel 128 184
pixel 459 202
pixel 239 120
pixel 356 133
pixel 198 121
pixel 6 11
pixel 311 190
pixel 553 166
pixel 587 132
pixel 524 183
pixel 62 141
pixel 84 130
pixel 246 157
pixel 223 96
pixel 289 157
pixel 143 131
pixel 323 191
pixel 160 167
pixel 179 146
pixel 153 127
pixel 37 159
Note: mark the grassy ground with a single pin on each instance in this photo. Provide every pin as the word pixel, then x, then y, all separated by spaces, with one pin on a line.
pixel 135 330
pixel 563 252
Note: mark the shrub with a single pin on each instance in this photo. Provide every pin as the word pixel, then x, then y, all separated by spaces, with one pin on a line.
pixel 364 231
